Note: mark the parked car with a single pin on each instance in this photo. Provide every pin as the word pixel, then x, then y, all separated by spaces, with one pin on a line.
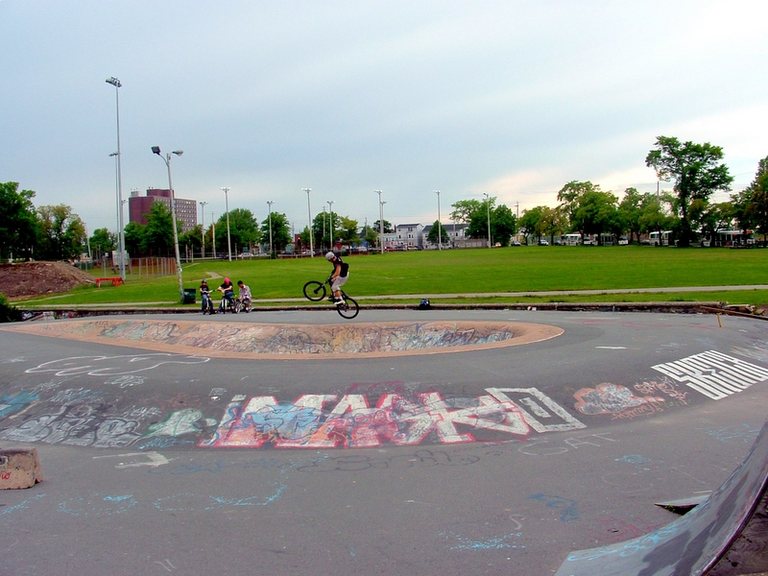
pixel 623 241
pixel 543 242
pixel 514 243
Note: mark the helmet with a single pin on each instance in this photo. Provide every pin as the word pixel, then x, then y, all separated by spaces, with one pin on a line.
pixel 203 281
pixel 330 256
pixel 227 280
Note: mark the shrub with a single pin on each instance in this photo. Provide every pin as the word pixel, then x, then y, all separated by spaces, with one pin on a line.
pixel 8 312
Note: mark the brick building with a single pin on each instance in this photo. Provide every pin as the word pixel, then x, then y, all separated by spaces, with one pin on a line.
pixel 140 206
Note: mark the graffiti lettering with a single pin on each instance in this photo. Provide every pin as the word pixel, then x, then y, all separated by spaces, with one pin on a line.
pixel 543 447
pixel 113 365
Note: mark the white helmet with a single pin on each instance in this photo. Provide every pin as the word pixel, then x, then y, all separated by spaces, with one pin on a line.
pixel 330 256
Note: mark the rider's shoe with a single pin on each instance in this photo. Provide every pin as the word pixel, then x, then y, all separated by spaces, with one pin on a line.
pixel 338 301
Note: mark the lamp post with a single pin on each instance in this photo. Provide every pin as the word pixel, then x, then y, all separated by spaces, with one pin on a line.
pixel 213 233
pixel 226 189
pixel 488 203
pixel 309 214
pixel 323 236
pixel 269 203
pixel 381 222
pixel 167 160
pixel 202 224
pixel 330 210
pixel 439 224
pixel 120 231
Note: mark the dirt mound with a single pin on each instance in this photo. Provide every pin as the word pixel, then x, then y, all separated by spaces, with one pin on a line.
pixel 35 278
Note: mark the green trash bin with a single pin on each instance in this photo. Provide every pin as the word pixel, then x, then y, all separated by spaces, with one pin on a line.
pixel 189 296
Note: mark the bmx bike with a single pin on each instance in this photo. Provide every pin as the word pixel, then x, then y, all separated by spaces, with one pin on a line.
pixel 316 291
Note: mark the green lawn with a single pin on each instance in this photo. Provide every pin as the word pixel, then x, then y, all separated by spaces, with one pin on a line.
pixel 514 269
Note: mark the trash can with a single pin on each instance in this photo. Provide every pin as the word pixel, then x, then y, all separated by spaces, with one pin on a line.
pixel 189 296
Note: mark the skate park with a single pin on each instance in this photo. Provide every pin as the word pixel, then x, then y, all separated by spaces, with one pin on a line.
pixel 440 441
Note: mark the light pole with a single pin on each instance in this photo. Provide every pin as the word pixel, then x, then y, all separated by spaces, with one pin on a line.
pixel 120 232
pixel 381 222
pixel 167 160
pixel 226 189
pixel 439 224
pixel 202 223
pixel 213 233
pixel 330 209
pixel 488 203
pixel 269 203
pixel 309 213
pixel 323 236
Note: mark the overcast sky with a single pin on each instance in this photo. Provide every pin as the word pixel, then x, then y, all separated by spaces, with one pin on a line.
pixel 345 97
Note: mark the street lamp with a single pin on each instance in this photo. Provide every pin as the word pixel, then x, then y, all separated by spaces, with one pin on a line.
pixel 213 233
pixel 167 160
pixel 330 209
pixel 202 224
pixel 488 203
pixel 381 222
pixel 269 203
pixel 309 213
pixel 226 189
pixel 439 224
pixel 323 236
pixel 120 231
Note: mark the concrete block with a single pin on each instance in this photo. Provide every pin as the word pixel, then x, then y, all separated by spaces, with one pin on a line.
pixel 19 468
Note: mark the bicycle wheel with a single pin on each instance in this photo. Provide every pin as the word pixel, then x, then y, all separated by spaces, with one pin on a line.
pixel 236 307
pixel 349 309
pixel 314 290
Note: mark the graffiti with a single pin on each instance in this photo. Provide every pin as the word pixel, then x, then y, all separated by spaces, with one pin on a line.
pixel 154 459
pixel 98 505
pixel 543 447
pixel 567 506
pixel 217 393
pixel 113 365
pixel 166 564
pixel 418 459
pixel 125 381
pixel 739 433
pixel 220 466
pixel 714 374
pixel 178 423
pixel 401 420
pixel 489 544
pixel 10 404
pixel 666 388
pixel 614 399
pixel 24 504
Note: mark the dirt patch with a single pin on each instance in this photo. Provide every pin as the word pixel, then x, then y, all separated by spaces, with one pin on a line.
pixel 36 278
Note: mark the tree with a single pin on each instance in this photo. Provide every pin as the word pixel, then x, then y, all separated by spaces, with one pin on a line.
pixel 716 217
pixel 388 228
pixel 697 174
pixel 18 221
pixel 503 224
pixel 134 238
pixel 281 231
pixel 191 239
pixel 653 217
pixel 157 237
pixel 62 233
pixel 751 205
pixel 630 210
pixel 596 213
pixel 529 222
pixel 552 221
pixel 569 196
pixel 369 235
pixel 243 230
pixel 346 230
pixel 436 234
pixel 321 229
pixel 464 209
pixel 103 241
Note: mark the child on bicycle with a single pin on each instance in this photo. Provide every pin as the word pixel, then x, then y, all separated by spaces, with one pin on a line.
pixel 205 296
pixel 244 294
pixel 339 276
pixel 228 294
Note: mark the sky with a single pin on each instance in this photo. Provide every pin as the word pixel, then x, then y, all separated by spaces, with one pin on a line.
pixel 508 98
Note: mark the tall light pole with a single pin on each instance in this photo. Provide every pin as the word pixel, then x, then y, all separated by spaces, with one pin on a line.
pixel 120 231
pixel 381 222
pixel 439 224
pixel 226 189
pixel 167 160
pixel 488 203
pixel 323 236
pixel 330 209
pixel 269 203
pixel 213 233
pixel 309 214
pixel 202 223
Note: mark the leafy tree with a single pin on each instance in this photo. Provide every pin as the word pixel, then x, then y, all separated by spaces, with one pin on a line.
pixel 552 221
pixel 653 217
pixel 630 210
pixel 243 230
pixel 62 232
pixel 503 224
pixel 697 174
pixel 716 217
pixel 596 213
pixel 18 221
pixel 321 228
pixel 369 235
pixel 529 223
pixel 751 205
pixel 346 231
pixel 281 231
pixel 570 195
pixel 157 239
pixel 134 238
pixel 103 241
pixel 191 239
pixel 436 234
pixel 388 228
pixel 463 210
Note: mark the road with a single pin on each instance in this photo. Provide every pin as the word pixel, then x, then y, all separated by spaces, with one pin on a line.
pixel 487 460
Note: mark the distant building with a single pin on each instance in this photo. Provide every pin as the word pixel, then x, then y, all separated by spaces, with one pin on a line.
pixel 140 206
pixel 409 235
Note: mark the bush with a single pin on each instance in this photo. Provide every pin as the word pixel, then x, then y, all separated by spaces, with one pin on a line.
pixel 8 312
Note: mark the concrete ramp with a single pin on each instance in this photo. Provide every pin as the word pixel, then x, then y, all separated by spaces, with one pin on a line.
pixel 726 535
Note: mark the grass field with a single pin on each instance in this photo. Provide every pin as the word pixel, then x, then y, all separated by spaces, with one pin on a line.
pixel 514 269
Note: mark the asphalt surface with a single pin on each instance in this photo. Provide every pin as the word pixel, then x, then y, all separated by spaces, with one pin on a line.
pixel 486 461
